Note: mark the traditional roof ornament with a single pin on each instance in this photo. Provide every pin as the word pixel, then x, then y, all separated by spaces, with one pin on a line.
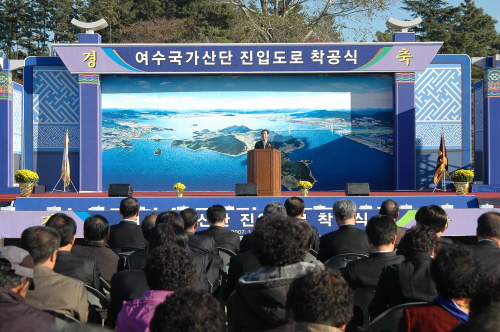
pixel 91 27
pixel 402 26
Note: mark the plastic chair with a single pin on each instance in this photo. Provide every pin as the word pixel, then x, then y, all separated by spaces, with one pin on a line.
pixel 62 320
pixel 226 255
pixel 388 320
pixel 105 286
pixel 340 261
pixel 96 298
pixel 361 317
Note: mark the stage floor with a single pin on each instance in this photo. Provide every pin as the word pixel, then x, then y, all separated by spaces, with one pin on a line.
pixel 312 193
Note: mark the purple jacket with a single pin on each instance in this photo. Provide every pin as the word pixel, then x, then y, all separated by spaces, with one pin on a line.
pixel 136 315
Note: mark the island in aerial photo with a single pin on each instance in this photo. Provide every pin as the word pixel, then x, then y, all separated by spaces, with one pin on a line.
pixel 201 138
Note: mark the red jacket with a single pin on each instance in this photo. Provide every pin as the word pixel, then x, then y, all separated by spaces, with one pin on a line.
pixel 428 317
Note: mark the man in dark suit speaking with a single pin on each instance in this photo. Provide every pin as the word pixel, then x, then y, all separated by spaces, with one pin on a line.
pixel 264 143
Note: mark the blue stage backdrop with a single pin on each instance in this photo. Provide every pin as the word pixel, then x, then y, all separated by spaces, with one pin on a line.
pixel 333 129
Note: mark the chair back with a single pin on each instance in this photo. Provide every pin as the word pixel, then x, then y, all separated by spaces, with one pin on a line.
pixel 105 286
pixel 340 261
pixel 62 320
pixel 96 298
pixel 226 255
pixel 388 320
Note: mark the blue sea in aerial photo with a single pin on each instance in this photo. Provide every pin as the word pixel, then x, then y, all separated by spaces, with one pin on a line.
pixel 336 160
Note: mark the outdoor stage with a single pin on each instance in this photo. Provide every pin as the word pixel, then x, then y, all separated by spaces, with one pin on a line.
pixel 242 210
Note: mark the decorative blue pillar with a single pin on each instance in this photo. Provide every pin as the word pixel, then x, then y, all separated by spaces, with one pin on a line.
pixel 404 131
pixel 491 113
pixel 90 123
pixel 404 124
pixel 6 136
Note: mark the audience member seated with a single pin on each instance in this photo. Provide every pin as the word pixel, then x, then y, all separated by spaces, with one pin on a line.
pixel 217 217
pixel 208 266
pixel 198 243
pixel 188 310
pixel 280 245
pixel 16 276
pixel 137 259
pixel 381 232
pixel 170 217
pixel 390 208
pixel 486 321
pixel 83 268
pixel 271 208
pixel 484 302
pixel 434 218
pixel 319 301
pixel 128 285
pixel 486 250
pixel 456 273
pixel 126 235
pixel 53 291
pixel 348 238
pixel 96 234
pixel 247 262
pixel 168 269
pixel 295 208
pixel 409 281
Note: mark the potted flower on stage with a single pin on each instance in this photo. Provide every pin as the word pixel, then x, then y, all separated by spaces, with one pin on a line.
pixel 179 189
pixel 27 180
pixel 462 178
pixel 304 187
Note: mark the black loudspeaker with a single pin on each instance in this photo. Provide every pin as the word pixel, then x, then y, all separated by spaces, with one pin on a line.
pixel 120 190
pixel 246 189
pixel 357 189
pixel 39 189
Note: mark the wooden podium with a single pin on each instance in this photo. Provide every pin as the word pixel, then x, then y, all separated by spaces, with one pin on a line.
pixel 264 168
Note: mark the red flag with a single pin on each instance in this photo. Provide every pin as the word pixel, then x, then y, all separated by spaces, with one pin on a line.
pixel 442 161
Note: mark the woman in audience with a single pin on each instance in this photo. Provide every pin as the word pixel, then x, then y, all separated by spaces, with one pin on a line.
pixel 319 301
pixel 188 310
pixel 456 273
pixel 168 269
pixel 280 244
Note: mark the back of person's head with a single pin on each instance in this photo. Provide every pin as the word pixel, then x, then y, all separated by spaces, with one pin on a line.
pixel 163 234
pixel 188 310
pixel 40 242
pixel 487 294
pixel 96 228
pixel 294 206
pixel 190 218
pixel 488 225
pixel 419 239
pixel 307 229
pixel 169 267
pixel 275 208
pixel 64 225
pixel 279 241
pixel 390 208
pixel 381 230
pixel 148 223
pixel 16 267
pixel 344 209
pixel 170 217
pixel 216 214
pixel 129 207
pixel 433 217
pixel 320 297
pixel 456 272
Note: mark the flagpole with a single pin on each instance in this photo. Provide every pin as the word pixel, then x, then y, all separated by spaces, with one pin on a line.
pixel 65 170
